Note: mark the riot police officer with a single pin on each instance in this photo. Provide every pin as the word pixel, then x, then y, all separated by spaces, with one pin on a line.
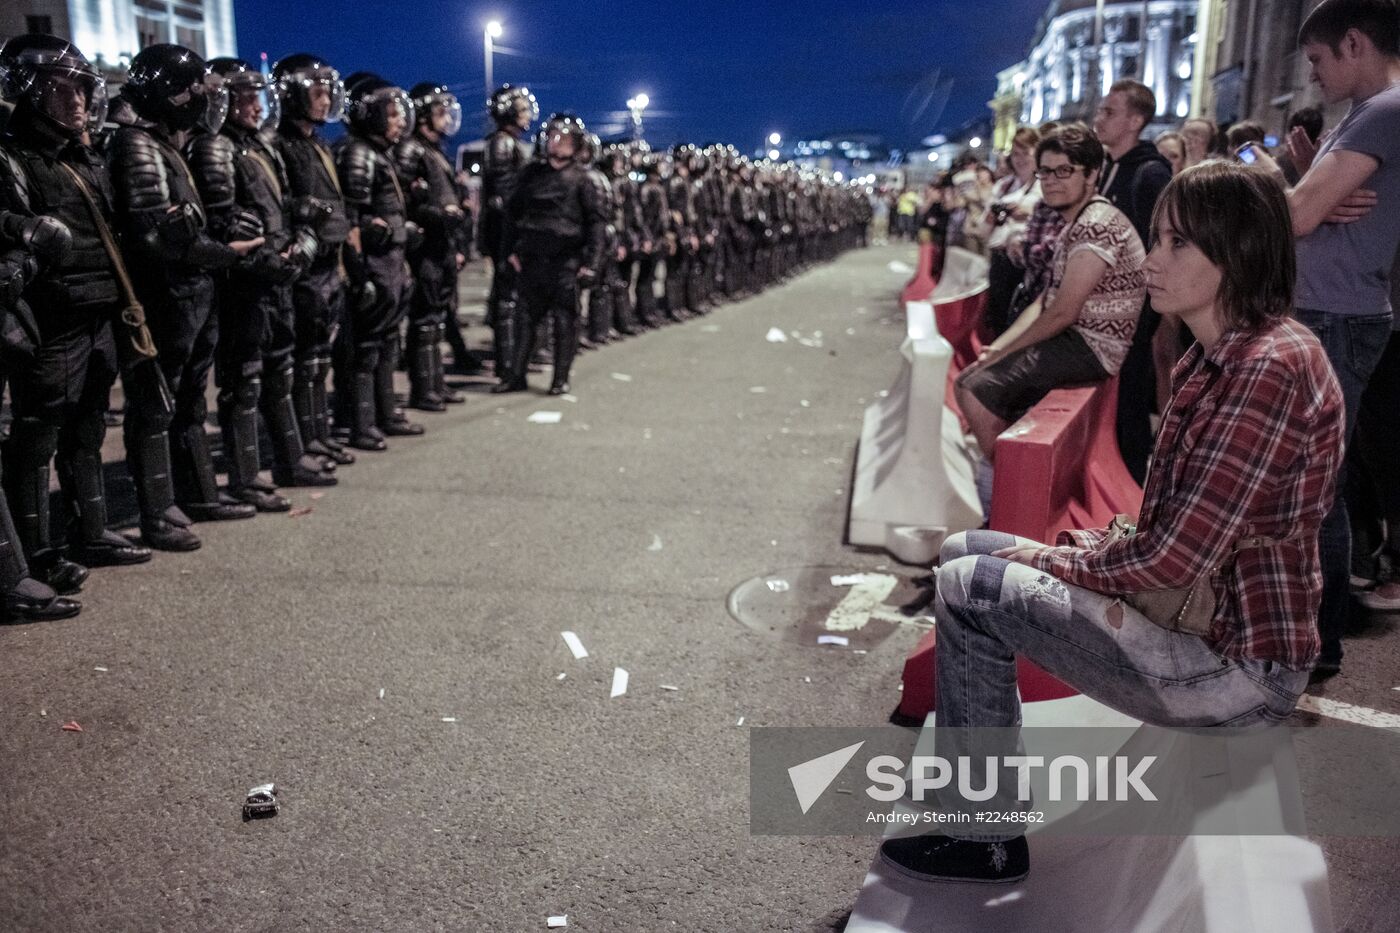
pixel 615 292
pixel 311 95
pixel 242 182
pixel 554 238
pixel 25 599
pixel 427 179
pixel 512 109
pixel 656 237
pixel 51 176
pixel 599 298
pixel 683 245
pixel 378 115
pixel 171 256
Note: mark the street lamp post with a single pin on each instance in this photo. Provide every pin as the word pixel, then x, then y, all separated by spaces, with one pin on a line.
pixel 493 31
pixel 636 106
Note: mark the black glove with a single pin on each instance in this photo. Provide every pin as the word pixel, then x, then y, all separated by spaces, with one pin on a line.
pixel 366 296
pixel 375 238
pixel 304 247
pixel 313 213
pixel 415 237
pixel 180 227
pixel 17 269
pixel 245 225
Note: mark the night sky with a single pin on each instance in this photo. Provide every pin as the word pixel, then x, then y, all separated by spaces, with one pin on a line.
pixel 722 71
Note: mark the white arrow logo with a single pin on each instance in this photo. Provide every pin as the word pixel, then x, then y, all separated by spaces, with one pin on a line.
pixel 811 778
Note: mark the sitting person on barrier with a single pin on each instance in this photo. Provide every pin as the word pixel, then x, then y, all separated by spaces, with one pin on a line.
pixel 1079 330
pixel 1244 470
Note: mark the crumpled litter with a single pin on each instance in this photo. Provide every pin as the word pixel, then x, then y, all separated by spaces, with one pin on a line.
pixel 619 684
pixel 300 511
pixel 776 335
pixel 903 268
pixel 621 377
pixel 838 640
pixel 72 726
pixel 778 586
pixel 545 417
pixel 656 544
pixel 558 923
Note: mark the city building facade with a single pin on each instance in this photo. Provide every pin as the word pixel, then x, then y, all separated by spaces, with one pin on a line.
pixel 110 32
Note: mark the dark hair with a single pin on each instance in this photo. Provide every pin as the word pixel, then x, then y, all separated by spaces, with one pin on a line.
pixel 1330 20
pixel 1140 98
pixel 1075 142
pixel 1310 119
pixel 1238 217
pixel 1246 131
pixel 1048 127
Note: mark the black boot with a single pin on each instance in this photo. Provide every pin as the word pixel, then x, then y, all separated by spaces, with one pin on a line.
pixel 89 541
pixel 363 433
pixel 447 394
pixel 334 448
pixel 423 394
pixel 33 601
pixel 509 334
pixel 304 403
pixel 565 339
pixel 291 464
pixel 203 501
pixel 163 526
pixel 238 419
pixel 388 415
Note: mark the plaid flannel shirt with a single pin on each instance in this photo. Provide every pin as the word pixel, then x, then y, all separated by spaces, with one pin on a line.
pixel 1250 445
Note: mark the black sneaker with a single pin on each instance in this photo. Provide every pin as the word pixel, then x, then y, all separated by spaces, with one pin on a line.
pixel 940 858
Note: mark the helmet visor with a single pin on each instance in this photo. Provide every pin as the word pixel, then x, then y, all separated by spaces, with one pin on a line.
pixel 450 114
pixel 210 96
pixel 253 103
pixel 318 95
pixel 74 96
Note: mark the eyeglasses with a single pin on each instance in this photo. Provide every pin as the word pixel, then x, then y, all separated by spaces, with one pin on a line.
pixel 1061 172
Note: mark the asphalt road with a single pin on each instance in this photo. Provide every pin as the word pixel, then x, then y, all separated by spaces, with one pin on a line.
pixel 442 573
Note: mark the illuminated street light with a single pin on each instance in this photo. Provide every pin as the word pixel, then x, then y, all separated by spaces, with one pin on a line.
pixel 933 157
pixel 493 31
pixel 635 106
pixel 774 139
pixel 975 142
pixel 774 154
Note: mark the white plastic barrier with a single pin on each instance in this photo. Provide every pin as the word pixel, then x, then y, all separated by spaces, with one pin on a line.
pixel 964 272
pixel 914 482
pixel 1127 884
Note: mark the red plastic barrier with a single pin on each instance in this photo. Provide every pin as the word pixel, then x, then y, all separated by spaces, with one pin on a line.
pixel 917 700
pixel 925 278
pixel 1058 467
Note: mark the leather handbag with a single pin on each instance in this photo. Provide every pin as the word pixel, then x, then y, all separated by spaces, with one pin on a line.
pixel 1182 609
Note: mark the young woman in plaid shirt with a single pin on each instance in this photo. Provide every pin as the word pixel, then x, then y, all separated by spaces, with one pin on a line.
pixel 1250 446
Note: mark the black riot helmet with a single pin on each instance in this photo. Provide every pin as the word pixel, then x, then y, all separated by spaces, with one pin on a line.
pixel 430 100
pixel 587 154
pixel 509 104
pixel 246 85
pixel 171 85
pixel 615 160
pixel 371 103
pixel 52 79
pixel 561 126
pixel 309 88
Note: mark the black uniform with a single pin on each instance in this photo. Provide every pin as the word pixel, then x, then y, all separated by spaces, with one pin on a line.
pixel 426 177
pixel 244 183
pixel 555 223
pixel 656 227
pixel 319 294
pixel 59 390
pixel 380 291
pixel 682 245
pixel 170 255
pixel 505 158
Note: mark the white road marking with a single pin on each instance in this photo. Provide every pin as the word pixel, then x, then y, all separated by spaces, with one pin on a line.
pixel 1360 715
pixel 854 610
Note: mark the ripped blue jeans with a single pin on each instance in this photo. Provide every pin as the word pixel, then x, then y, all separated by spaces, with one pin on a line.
pixel 990 610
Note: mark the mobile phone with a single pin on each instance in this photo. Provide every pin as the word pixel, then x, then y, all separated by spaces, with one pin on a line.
pixel 1247 154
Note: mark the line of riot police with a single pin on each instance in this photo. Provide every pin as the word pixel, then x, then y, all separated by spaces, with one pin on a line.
pixel 570 217
pixel 206 226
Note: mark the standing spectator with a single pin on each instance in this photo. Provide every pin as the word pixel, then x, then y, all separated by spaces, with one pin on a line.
pixel 1246 131
pixel 1344 267
pixel 906 209
pixel 1373 496
pixel 1133 178
pixel 1201 136
pixel 1172 147
pixel 1082 327
pixel 1013 201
